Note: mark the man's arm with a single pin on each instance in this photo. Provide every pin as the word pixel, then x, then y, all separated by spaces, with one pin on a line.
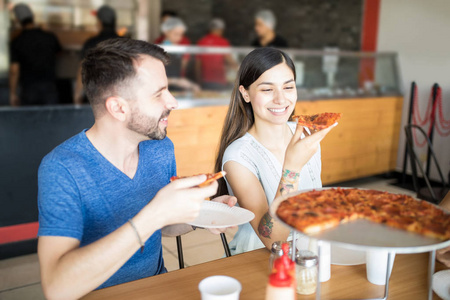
pixel 69 272
pixel 14 72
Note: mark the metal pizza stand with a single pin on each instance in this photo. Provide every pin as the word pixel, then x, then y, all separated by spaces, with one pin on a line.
pixel 364 235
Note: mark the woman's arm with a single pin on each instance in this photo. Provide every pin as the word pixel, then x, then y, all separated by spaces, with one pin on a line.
pixel 250 194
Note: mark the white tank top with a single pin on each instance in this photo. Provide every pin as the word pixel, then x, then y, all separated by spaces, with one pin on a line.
pixel 248 152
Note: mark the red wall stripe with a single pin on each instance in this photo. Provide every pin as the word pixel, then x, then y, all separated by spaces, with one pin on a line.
pixel 371 18
pixel 20 232
pixel 369 38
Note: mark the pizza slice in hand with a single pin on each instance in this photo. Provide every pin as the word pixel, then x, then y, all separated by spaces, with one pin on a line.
pixel 210 178
pixel 318 121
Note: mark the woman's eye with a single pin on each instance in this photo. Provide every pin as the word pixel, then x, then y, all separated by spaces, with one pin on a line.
pixel 267 90
pixel 289 88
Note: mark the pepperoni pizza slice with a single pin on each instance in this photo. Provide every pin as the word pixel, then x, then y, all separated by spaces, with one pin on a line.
pixel 318 121
pixel 210 178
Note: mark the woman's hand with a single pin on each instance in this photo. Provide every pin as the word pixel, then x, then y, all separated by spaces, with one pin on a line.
pixel 300 151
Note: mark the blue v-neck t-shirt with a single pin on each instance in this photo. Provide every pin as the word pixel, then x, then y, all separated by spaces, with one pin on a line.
pixel 83 196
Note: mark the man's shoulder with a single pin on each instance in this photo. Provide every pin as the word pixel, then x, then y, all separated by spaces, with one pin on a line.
pixel 66 152
pixel 32 35
pixel 223 41
pixel 40 33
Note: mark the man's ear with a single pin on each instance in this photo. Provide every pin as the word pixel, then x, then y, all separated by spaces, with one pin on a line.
pixel 244 94
pixel 117 107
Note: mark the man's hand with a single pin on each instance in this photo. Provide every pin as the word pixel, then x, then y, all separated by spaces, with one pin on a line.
pixel 179 202
pixel 230 201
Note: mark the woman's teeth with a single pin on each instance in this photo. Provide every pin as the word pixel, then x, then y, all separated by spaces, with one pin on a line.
pixel 164 119
pixel 277 110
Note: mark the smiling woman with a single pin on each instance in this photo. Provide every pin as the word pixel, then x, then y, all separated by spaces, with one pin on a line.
pixel 264 155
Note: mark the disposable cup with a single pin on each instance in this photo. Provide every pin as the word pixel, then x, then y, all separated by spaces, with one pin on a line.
pixel 324 255
pixel 377 265
pixel 220 288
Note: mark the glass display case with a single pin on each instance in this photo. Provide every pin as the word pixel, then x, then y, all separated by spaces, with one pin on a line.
pixel 328 74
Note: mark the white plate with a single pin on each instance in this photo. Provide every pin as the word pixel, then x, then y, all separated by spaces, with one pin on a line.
pixel 441 284
pixel 219 215
pixel 346 257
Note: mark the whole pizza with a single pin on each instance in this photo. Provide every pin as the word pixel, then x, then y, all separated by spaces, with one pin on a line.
pixel 314 211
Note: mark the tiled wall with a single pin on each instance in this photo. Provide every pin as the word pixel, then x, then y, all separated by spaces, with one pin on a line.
pixel 308 24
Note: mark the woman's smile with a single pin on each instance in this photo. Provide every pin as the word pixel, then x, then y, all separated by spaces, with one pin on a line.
pixel 278 111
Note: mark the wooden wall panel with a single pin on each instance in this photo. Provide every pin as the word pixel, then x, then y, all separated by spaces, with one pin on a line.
pixel 195 133
pixel 364 143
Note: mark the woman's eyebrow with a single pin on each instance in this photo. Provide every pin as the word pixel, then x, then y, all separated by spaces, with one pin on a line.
pixel 271 83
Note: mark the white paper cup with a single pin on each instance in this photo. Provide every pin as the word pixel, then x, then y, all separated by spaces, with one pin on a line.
pixel 376 266
pixel 325 262
pixel 220 288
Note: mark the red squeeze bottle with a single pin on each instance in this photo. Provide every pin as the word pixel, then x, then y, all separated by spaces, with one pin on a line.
pixel 289 265
pixel 281 283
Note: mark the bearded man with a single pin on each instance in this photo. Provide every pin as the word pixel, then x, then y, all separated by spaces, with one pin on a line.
pixel 104 195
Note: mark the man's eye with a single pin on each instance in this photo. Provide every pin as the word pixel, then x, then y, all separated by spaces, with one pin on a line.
pixel 289 88
pixel 267 90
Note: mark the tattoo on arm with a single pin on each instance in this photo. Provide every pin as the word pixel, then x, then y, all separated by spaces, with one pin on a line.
pixel 289 181
pixel 265 226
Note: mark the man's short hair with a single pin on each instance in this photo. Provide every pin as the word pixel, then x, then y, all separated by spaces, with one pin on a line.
pixel 109 67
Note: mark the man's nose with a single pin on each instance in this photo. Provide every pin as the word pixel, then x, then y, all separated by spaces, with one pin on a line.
pixel 171 102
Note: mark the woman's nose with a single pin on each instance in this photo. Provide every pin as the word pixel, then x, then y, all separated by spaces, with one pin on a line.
pixel 279 97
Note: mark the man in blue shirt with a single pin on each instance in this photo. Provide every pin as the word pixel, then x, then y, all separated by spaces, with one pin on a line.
pixel 105 193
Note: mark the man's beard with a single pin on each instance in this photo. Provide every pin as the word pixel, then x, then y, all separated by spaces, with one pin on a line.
pixel 146 125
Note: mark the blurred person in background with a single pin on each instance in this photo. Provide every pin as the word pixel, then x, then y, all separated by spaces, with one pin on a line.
pixel 265 22
pixel 106 24
pixel 33 58
pixel 164 16
pixel 174 29
pixel 210 68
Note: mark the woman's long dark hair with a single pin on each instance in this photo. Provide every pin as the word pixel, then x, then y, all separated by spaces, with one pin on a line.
pixel 240 116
